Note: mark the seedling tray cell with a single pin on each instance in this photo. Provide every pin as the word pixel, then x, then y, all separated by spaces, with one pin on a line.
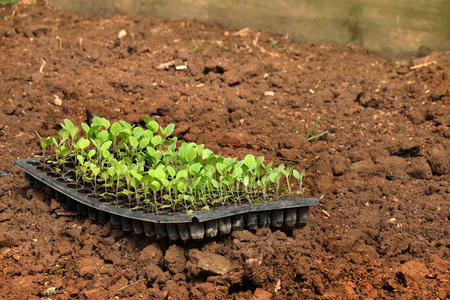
pixel 173 225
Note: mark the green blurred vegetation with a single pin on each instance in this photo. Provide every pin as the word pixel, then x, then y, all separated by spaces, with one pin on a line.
pixel 8 2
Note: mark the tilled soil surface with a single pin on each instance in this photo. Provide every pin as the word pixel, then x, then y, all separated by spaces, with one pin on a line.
pixel 373 236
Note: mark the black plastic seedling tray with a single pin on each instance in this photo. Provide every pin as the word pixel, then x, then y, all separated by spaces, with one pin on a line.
pixel 174 225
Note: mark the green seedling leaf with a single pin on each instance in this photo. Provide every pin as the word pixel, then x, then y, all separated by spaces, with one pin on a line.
pixel 258 173
pixel 73 131
pixel 180 187
pixel 102 137
pixel 134 182
pixel 252 166
pixel 126 192
pixel 196 182
pixel 125 133
pixel 63 133
pixel 157 155
pixel 195 48
pixel 133 142
pixel 298 175
pixel 199 149
pixel 268 168
pixel 95 170
pixel 80 159
pixel 207 175
pixel 104 174
pixel 135 173
pixel 156 140
pixel 273 177
pixel 151 151
pixel 237 172
pixel 137 131
pixel 46 142
pixel 91 153
pixel 172 143
pixel 160 174
pixel 195 168
pixel 206 153
pixel 220 168
pixel 115 129
pixel 249 159
pixel 246 180
pixel 228 161
pixel 182 174
pixel 165 182
pixel 138 135
pixel 302 173
pixel 82 143
pixel 152 125
pixel 125 125
pixel 54 141
pixel 106 145
pixel 226 182
pixel 167 159
pixel 210 169
pixel 279 176
pixel 155 186
pixel 120 169
pixel 239 164
pixel 67 124
pixel 288 170
pixel 105 123
pixel 86 128
pixel 64 151
pixel 169 130
pixel 190 154
pixel 171 171
pixel 260 160
pixel 106 154
pixel 96 120
pixel 215 183
pixel 144 143
pixel 147 179
pixel 147 134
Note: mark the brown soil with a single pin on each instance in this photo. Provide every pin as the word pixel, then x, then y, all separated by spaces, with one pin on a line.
pixel 373 236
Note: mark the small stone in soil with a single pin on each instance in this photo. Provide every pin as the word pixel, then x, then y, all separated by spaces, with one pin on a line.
pixel 49 292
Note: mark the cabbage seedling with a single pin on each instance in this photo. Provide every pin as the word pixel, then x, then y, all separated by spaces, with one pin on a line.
pixel 45 143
